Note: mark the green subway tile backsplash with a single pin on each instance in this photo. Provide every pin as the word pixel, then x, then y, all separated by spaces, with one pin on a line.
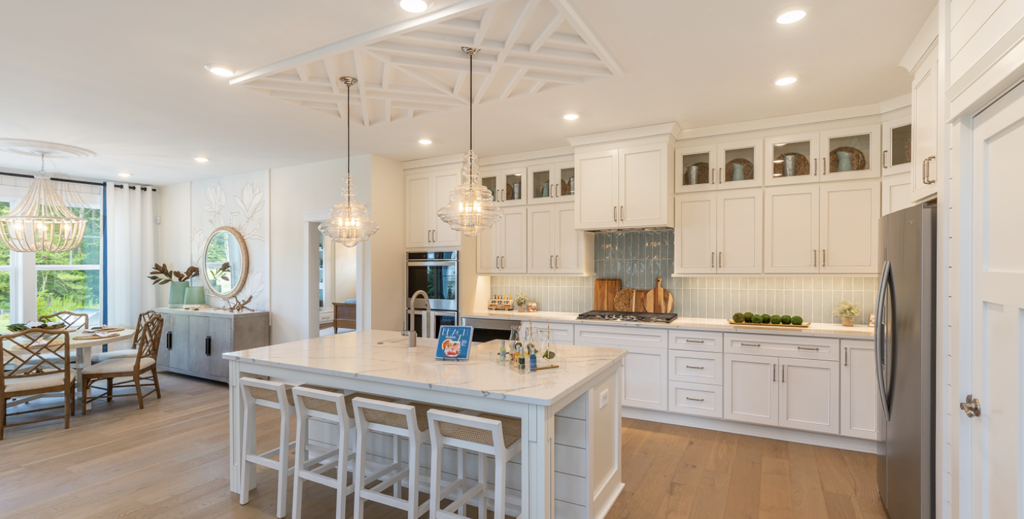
pixel 640 257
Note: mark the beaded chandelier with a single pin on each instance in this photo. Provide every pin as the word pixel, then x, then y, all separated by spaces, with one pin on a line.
pixel 471 207
pixel 41 222
pixel 350 222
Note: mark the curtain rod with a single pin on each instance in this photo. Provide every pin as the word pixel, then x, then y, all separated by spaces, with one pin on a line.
pixel 121 186
pixel 73 181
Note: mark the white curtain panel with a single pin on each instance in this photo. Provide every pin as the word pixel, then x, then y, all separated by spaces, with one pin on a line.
pixel 131 251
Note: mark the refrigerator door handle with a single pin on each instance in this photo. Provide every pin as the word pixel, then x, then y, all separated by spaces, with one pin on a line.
pixel 883 286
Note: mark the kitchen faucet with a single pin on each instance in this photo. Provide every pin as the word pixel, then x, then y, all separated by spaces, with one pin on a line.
pixel 408 315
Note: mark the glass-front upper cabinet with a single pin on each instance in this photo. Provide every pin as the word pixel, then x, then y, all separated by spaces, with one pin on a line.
pixel 739 164
pixel 508 186
pixel 850 153
pixel 896 146
pixel 791 159
pixel 694 167
pixel 551 183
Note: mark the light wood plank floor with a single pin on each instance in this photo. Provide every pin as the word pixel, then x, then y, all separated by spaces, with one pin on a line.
pixel 171 460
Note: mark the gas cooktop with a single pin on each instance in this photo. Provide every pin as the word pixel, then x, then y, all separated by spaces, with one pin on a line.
pixel 633 317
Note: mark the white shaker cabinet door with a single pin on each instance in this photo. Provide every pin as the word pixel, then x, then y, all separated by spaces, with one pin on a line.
pixel 858 392
pixel 418 218
pixel 696 233
pixel 739 231
pixel 791 229
pixel 751 389
pixel 925 120
pixel 643 186
pixel 488 250
pixel 444 236
pixel 597 190
pixel 573 255
pixel 896 193
pixel 645 378
pixel 809 395
pixel 542 240
pixel 513 253
pixel 849 227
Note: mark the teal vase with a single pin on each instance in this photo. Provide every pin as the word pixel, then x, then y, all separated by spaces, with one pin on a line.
pixel 195 296
pixel 737 172
pixel 177 296
pixel 844 161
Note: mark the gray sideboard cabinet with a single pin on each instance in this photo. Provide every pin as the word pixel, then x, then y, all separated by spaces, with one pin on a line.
pixel 192 341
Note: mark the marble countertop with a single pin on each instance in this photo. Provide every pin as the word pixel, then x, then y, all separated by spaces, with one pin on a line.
pixel 384 356
pixel 691 323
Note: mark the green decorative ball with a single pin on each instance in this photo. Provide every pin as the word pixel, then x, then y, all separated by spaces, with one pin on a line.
pixel 797 320
pixel 737 317
pixel 748 317
pixel 765 318
pixel 786 319
pixel 756 319
pixel 776 319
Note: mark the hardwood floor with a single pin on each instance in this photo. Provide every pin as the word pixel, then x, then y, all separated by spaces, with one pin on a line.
pixel 170 460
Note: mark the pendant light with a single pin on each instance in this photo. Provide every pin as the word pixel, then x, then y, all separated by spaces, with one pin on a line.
pixel 471 207
pixel 41 222
pixel 350 222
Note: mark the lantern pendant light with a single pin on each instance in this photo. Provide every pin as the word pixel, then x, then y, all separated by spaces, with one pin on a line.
pixel 350 222
pixel 471 207
pixel 41 222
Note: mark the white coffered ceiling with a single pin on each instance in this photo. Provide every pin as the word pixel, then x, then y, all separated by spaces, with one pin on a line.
pixel 126 79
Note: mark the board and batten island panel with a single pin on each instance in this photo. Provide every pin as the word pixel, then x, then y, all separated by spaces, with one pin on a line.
pixel 571 461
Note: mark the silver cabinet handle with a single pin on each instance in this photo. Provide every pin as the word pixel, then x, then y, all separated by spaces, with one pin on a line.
pixel 694 367
pixel 694 341
pixel 495 262
pixel 815 257
pixel 430 234
pixel 783 373
pixel 749 345
pixel 712 259
pixel 823 257
pixel 928 170
pixel 720 180
pixel 556 260
pixel 885 153
pixel 719 259
pixel 773 372
pixel 695 399
pixel 551 263
pixel 846 359
pixel 824 166
pixel 808 348
pixel 622 212
pixel 815 167
pixel 615 213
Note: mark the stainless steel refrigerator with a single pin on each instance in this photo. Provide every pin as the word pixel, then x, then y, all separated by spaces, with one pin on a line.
pixel 905 362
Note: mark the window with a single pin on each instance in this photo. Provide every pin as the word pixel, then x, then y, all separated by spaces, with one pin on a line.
pixel 70 281
pixel 5 276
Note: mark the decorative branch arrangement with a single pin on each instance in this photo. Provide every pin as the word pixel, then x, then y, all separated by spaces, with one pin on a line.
pixel 162 274
pixel 221 274
pixel 240 306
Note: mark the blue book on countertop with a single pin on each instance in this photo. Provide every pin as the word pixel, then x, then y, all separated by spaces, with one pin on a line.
pixel 453 342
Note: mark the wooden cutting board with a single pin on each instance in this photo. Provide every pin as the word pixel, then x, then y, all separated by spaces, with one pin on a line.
pixel 625 300
pixel 604 294
pixel 640 301
pixel 659 300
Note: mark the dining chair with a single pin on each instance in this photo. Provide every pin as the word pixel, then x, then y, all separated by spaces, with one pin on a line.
pixel 145 344
pixel 72 321
pixel 35 363
pixel 125 353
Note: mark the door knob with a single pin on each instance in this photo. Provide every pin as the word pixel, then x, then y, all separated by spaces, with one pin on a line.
pixel 972 406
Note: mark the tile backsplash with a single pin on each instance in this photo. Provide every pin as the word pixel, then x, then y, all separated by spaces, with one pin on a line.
pixel 640 257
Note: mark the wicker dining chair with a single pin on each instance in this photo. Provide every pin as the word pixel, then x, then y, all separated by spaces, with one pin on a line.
pixel 72 321
pixel 145 344
pixel 125 353
pixel 35 363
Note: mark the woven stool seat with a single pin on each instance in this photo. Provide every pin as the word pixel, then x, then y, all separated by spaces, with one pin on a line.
pixel 271 396
pixel 511 430
pixel 398 421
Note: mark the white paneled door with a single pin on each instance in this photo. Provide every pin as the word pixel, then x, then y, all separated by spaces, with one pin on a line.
pixel 444 235
pixel 858 393
pixel 541 242
pixel 696 232
pixel 418 226
pixel 597 203
pixel 739 231
pixel 642 184
pixel 809 395
pixel 752 389
pixel 513 254
pixel 991 443
pixel 849 227
pixel 791 229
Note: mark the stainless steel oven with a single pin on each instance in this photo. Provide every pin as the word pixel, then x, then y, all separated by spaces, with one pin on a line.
pixel 437 274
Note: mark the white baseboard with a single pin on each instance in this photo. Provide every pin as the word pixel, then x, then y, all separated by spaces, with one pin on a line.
pixel 760 431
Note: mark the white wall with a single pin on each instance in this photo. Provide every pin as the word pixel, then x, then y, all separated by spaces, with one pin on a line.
pixel 381 288
pixel 174 210
pixel 344 275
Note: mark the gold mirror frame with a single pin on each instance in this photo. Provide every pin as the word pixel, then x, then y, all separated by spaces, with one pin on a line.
pixel 245 262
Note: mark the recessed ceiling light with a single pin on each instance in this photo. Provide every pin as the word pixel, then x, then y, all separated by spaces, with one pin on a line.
pixel 202 159
pixel 571 117
pixel 791 16
pixel 426 141
pixel 785 81
pixel 124 175
pixel 220 70
pixel 413 6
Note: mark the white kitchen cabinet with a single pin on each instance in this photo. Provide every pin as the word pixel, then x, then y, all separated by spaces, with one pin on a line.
pixel 502 249
pixel 555 246
pixel 719 166
pixel 858 391
pixel 645 381
pixel 624 188
pixel 551 183
pixel 809 395
pixel 801 169
pixel 897 143
pixel 751 389
pixel 719 232
pixel 832 155
pixel 849 227
pixel 791 229
pixel 925 119
pixel 695 399
pixel 507 185
pixel 695 367
pixel 786 346
pixel 708 342
pixel 896 193
pixel 560 333
pixel 425 194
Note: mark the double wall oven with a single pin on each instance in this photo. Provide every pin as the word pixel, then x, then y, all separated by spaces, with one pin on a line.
pixel 437 274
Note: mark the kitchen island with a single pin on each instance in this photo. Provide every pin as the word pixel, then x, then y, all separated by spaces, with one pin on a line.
pixel 570 465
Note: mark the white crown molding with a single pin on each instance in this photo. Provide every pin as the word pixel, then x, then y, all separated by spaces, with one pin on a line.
pixel 779 123
pixel 654 130
pixel 927 37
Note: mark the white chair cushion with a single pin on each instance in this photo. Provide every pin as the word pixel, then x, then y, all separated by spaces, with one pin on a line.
pixel 124 365
pixel 116 354
pixel 28 383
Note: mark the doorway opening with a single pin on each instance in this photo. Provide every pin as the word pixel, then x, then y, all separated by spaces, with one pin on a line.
pixel 337 275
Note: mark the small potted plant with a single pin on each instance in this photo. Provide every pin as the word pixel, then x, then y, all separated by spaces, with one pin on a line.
pixel 521 302
pixel 179 281
pixel 847 311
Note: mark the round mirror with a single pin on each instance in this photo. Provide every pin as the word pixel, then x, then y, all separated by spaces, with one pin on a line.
pixel 226 262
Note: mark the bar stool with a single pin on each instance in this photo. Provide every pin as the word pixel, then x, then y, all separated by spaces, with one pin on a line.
pixel 493 435
pixel 330 406
pixel 401 421
pixel 275 396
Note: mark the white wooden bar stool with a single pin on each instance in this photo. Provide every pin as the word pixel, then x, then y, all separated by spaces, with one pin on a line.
pixel 275 396
pixel 486 435
pixel 329 406
pixel 399 420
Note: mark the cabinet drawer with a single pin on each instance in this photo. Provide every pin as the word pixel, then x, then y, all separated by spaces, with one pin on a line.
pixel 782 346
pixel 696 367
pixel 695 341
pixel 620 337
pixel 560 333
pixel 695 399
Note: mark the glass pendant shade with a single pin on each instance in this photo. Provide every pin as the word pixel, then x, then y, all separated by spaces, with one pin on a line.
pixel 471 207
pixel 41 222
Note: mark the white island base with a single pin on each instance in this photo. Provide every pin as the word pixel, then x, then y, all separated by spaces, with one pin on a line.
pixel 570 465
